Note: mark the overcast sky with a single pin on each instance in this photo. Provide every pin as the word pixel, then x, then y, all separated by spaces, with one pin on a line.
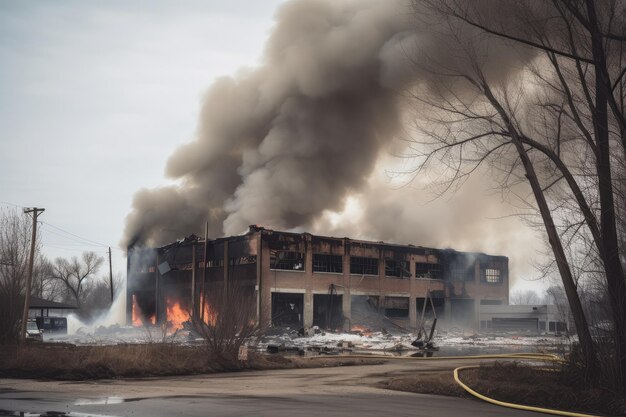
pixel 94 96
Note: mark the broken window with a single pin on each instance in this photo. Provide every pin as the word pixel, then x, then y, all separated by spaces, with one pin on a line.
pixel 287 309
pixel 462 269
pixel 363 266
pixel 427 270
pixel 287 260
pixel 244 260
pixel 437 302
pixel 327 263
pixel 214 263
pixel 491 275
pixel 399 269
pixel 397 307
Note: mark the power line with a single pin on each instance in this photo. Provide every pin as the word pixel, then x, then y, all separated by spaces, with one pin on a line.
pixel 69 238
pixel 71 249
pixel 93 242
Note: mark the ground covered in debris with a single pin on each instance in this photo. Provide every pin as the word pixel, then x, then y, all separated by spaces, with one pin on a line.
pixel 314 341
pixel 447 343
pixel 70 362
pixel 517 383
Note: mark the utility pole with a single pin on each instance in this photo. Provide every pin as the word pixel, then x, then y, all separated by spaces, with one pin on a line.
pixel 202 294
pixel 29 278
pixel 111 274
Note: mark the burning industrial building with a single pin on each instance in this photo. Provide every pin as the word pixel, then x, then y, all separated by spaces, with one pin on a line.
pixel 300 280
pixel 286 143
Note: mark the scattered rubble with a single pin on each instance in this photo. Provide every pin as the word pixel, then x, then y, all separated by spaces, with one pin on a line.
pixel 315 341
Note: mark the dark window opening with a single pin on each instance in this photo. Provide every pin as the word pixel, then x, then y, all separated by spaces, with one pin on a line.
pixel 327 263
pixel 397 307
pixel 461 270
pixel 363 266
pixel 399 269
pixel 214 263
pixel 438 303
pixel 427 270
pixel 328 311
pixel 287 309
pixel 542 325
pixel 244 260
pixel 287 260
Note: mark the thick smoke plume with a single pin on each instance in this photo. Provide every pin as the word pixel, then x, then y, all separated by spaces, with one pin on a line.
pixel 281 144
pixel 278 144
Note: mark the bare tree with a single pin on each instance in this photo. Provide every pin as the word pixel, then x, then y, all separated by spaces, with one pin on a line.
pixel 15 235
pixel 527 297
pixel 556 125
pixel 229 321
pixel 96 296
pixel 76 273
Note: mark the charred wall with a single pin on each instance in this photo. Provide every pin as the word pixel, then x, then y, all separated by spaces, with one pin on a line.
pixel 280 267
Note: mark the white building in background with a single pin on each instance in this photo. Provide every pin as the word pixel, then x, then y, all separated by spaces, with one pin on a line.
pixel 522 319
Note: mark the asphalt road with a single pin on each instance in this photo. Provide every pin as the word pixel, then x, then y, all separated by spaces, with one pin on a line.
pixel 339 391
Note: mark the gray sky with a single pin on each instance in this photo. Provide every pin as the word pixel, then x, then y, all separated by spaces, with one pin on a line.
pixel 94 96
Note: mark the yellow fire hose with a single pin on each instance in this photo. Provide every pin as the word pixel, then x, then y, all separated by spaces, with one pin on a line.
pixel 511 405
pixel 519 356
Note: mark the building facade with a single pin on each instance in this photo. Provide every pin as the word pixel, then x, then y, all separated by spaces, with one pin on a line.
pixel 522 319
pixel 302 280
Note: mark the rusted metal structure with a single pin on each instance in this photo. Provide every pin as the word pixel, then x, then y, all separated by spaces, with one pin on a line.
pixel 302 280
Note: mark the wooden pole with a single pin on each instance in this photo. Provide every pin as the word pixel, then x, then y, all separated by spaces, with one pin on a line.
pixel 111 274
pixel 29 278
pixel 202 295
pixel 194 264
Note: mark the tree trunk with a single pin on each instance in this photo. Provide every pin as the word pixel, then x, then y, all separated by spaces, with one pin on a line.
pixel 616 285
pixel 582 327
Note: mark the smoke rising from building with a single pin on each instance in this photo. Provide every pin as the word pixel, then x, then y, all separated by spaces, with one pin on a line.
pixel 285 142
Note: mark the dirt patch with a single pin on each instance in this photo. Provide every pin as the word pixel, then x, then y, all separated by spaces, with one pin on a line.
pixel 516 383
pixel 436 382
pixel 69 362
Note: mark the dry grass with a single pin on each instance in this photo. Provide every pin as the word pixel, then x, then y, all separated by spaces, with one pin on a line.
pixel 68 362
pixel 517 383
pixel 520 383
pixel 93 362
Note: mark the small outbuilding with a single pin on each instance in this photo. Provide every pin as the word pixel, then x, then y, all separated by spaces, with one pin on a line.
pixel 522 319
pixel 39 311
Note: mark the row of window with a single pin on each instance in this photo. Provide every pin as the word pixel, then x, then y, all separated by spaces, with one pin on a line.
pixel 294 261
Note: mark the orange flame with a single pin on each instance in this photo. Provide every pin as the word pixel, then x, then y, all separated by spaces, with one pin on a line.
pixel 136 312
pixel 362 329
pixel 138 317
pixel 176 315
pixel 210 315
